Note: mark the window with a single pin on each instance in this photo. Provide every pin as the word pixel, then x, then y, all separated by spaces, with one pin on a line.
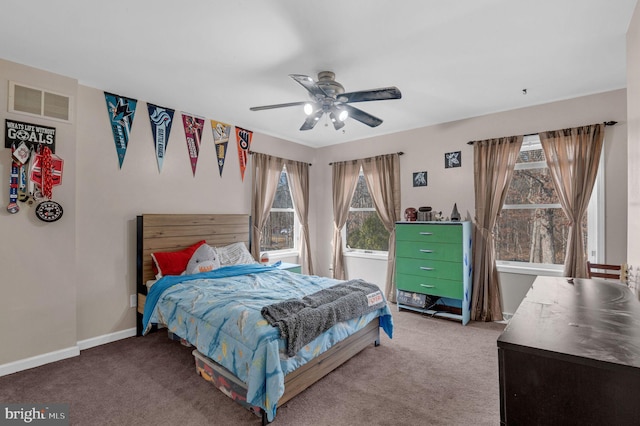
pixel 532 228
pixel 364 229
pixel 280 230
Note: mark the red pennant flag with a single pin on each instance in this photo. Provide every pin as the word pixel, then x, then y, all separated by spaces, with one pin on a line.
pixel 244 142
pixel 193 133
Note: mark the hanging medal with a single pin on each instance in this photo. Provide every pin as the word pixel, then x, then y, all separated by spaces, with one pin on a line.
pixel 47 173
pixel 13 184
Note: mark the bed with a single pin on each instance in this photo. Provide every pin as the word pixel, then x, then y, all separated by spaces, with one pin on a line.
pixel 251 367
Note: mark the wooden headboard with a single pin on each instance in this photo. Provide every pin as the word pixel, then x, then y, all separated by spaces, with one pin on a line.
pixel 171 232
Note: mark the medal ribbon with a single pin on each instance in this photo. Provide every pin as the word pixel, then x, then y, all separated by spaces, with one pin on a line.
pixel 47 173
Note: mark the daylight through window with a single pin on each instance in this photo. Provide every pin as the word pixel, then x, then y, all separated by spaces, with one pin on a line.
pixel 532 227
pixel 364 229
pixel 279 232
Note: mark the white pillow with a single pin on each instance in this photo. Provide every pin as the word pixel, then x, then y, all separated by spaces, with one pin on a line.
pixel 204 259
pixel 234 254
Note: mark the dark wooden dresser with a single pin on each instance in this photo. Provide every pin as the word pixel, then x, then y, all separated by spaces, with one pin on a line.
pixel 571 355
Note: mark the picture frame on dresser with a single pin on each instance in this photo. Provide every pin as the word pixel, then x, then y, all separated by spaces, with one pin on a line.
pixel 433 268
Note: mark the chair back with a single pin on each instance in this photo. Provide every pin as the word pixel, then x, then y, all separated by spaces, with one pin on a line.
pixel 605 271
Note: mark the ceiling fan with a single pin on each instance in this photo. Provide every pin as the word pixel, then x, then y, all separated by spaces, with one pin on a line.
pixel 328 97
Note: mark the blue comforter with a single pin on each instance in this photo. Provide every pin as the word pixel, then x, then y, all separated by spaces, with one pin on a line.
pixel 219 312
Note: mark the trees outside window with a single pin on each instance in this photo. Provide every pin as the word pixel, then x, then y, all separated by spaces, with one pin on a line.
pixel 280 230
pixel 364 229
pixel 532 227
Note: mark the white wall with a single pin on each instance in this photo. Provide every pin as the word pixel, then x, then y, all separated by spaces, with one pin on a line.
pixel 633 143
pixel 37 259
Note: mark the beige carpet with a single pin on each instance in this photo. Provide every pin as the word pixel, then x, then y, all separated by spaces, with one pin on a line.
pixel 433 372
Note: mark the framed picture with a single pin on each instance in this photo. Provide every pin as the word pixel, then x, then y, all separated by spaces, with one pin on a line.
pixel 452 159
pixel 420 179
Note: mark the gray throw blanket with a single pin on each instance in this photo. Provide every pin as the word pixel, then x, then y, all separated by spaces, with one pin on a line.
pixel 302 320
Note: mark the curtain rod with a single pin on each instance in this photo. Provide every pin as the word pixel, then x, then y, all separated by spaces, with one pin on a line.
pixel 399 153
pixel 251 153
pixel 606 123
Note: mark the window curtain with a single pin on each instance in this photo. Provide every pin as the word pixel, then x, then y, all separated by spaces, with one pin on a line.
pixel 494 161
pixel 573 156
pixel 266 174
pixel 299 183
pixel 382 174
pixel 344 181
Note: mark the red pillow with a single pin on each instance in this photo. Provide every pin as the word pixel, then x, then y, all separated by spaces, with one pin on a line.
pixel 173 262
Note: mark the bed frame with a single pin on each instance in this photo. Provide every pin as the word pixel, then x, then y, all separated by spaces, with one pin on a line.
pixel 170 232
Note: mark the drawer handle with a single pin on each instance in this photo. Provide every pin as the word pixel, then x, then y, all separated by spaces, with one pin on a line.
pixel 426 251
pixel 425 268
pixel 426 233
pixel 427 286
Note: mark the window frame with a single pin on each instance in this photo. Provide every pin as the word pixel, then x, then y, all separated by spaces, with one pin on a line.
pixel 296 224
pixel 595 220
pixel 358 252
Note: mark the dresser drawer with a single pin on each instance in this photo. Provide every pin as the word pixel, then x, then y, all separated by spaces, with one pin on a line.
pixel 426 285
pixel 434 251
pixel 430 268
pixel 429 233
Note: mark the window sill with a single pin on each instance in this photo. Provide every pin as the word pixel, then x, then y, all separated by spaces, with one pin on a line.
pixel 367 255
pixel 280 254
pixel 530 269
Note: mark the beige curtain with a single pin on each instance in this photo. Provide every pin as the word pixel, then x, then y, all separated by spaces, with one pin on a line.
pixel 573 156
pixel 382 174
pixel 299 183
pixel 266 173
pixel 494 161
pixel 344 180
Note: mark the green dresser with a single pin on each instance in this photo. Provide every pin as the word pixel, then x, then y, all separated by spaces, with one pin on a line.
pixel 433 268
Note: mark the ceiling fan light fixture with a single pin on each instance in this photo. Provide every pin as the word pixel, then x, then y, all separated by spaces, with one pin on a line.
pixel 308 109
pixel 344 114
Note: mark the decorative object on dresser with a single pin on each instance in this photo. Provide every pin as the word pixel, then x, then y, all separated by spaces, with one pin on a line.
pixel 434 259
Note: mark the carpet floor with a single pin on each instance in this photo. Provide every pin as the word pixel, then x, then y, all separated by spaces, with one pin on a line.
pixel 433 372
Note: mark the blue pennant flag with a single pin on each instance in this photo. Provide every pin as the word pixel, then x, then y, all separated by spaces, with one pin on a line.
pixel 161 120
pixel 121 111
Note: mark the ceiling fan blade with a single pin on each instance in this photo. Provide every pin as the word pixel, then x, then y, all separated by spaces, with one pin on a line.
pixel 361 116
pixel 308 83
pixel 381 94
pixel 290 104
pixel 311 120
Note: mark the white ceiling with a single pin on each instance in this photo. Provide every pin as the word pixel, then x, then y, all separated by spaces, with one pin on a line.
pixel 450 59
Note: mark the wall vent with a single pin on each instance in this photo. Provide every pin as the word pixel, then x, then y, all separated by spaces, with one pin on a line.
pixel 39 102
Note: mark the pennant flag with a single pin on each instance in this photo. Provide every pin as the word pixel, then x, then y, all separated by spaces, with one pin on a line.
pixel 221 133
pixel 193 132
pixel 161 120
pixel 121 111
pixel 244 142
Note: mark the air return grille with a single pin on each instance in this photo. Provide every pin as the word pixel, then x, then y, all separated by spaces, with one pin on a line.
pixel 39 102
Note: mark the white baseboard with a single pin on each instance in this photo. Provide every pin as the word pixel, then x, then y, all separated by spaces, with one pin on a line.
pixel 38 360
pixel 106 338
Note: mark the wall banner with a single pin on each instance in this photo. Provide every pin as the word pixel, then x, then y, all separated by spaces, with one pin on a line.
pixel 121 112
pixel 161 120
pixel 193 134
pixel 33 135
pixel 221 132
pixel 244 142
